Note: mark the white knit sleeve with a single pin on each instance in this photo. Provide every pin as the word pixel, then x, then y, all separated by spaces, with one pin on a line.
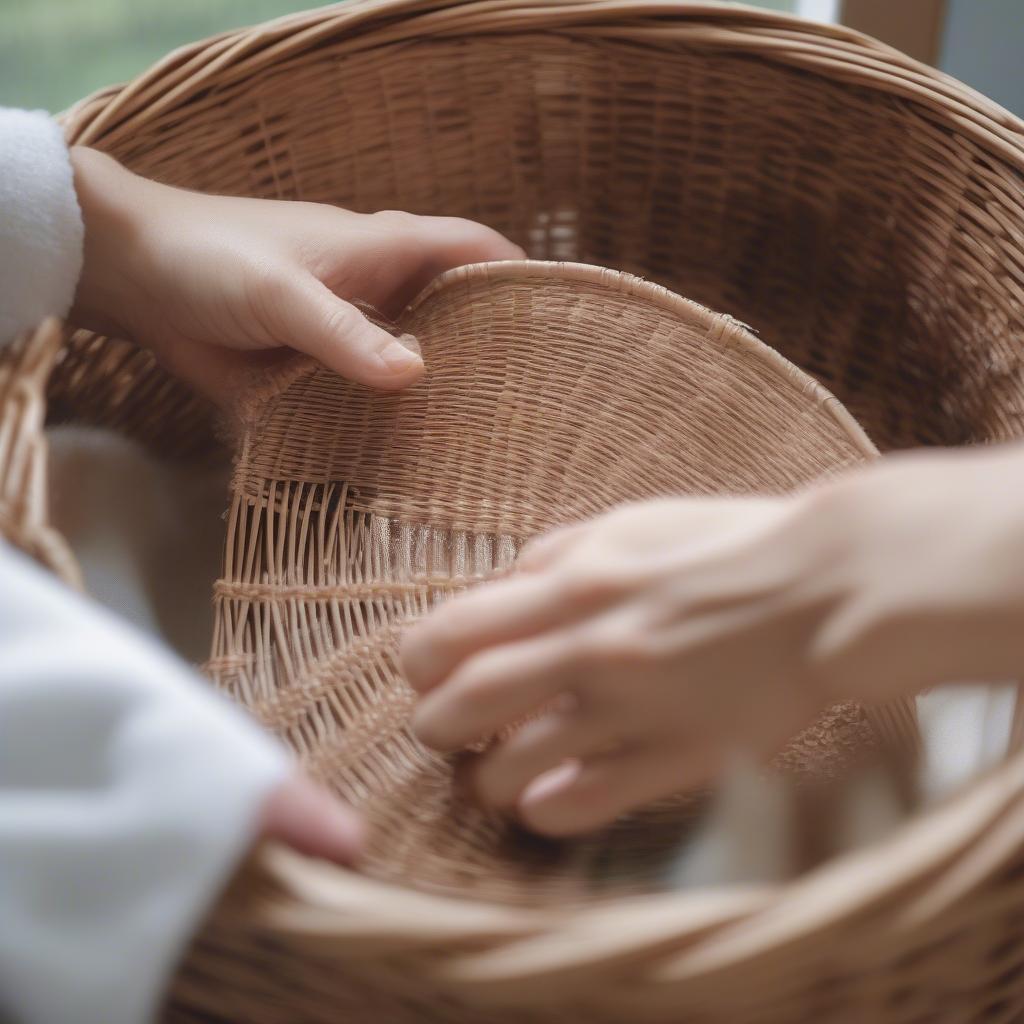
pixel 128 792
pixel 41 231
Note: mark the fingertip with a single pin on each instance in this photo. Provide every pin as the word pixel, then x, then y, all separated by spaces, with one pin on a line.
pixel 444 722
pixel 389 382
pixel 346 341
pixel 493 245
pixel 400 364
pixel 386 364
pixel 428 727
pixel 410 661
pixel 541 551
pixel 496 248
pixel 312 820
pixel 510 251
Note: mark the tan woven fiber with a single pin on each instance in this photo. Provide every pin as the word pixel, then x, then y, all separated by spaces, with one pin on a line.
pixel 862 211
pixel 24 370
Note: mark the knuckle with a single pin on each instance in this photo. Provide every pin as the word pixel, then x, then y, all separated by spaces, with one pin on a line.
pixel 395 216
pixel 342 319
pixel 397 222
pixel 626 649
pixel 591 586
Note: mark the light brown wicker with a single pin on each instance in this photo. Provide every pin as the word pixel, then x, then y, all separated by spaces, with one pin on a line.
pixel 860 210
pixel 24 502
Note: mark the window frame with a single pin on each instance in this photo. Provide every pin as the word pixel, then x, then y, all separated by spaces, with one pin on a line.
pixel 914 26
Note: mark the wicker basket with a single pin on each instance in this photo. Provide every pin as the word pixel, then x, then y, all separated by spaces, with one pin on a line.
pixel 862 211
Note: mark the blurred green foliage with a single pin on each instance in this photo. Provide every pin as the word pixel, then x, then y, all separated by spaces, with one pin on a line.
pixel 53 52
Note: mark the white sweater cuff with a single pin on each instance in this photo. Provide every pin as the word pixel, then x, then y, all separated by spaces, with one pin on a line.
pixel 128 792
pixel 41 229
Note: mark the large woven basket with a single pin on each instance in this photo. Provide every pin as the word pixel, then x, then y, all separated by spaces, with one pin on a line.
pixel 862 212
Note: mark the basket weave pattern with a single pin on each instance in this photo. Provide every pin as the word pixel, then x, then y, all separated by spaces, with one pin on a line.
pixel 24 520
pixel 555 392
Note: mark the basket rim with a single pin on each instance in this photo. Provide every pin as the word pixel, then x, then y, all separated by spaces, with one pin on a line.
pixel 678 937
pixel 830 51
pixel 671 939
pixel 726 329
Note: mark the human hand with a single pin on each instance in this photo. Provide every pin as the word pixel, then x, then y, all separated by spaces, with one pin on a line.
pixel 215 284
pixel 309 819
pixel 662 637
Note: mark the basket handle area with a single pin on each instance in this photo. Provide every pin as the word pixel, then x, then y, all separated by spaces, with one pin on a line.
pixel 24 493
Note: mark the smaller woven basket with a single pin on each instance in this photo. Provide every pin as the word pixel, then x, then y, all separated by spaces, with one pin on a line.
pixel 555 391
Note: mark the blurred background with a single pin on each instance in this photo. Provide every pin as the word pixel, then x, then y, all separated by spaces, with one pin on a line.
pixel 53 52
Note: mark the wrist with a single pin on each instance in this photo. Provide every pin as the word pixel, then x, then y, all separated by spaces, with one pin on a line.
pixel 929 575
pixel 110 198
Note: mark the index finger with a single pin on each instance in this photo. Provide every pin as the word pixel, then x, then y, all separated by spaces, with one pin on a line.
pixel 495 613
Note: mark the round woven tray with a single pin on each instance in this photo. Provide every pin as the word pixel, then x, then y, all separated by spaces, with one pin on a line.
pixel 555 392
pixel 860 210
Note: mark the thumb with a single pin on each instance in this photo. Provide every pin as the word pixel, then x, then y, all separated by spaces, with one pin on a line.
pixel 337 334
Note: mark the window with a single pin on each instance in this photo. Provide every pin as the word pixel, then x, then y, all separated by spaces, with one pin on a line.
pixel 53 52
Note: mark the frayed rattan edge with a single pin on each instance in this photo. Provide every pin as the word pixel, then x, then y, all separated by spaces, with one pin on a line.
pixel 25 369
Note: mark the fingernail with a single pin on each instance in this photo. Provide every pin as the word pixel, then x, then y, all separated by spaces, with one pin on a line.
pixel 398 357
pixel 551 782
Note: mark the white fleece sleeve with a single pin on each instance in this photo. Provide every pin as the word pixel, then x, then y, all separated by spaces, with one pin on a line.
pixel 128 791
pixel 41 231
